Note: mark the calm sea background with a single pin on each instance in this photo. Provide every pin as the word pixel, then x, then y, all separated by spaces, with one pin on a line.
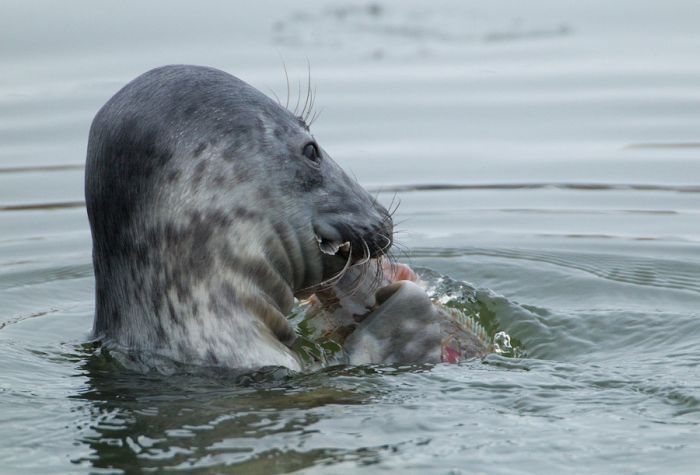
pixel 547 152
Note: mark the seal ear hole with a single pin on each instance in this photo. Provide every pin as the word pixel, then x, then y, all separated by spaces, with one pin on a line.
pixel 311 152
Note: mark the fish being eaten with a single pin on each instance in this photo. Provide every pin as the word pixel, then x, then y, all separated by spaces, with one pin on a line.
pixel 380 313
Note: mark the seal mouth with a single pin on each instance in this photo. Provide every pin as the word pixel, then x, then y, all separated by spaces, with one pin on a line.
pixel 353 250
pixel 331 241
pixel 355 243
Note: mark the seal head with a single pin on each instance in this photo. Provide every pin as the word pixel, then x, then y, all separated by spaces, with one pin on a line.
pixel 211 207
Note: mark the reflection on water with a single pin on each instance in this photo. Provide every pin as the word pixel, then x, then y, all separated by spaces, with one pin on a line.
pixel 201 417
pixel 45 206
pixel 545 152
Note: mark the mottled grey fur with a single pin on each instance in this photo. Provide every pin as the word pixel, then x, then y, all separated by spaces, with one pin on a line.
pixel 204 213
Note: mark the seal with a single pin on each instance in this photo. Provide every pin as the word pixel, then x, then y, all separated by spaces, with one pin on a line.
pixel 211 208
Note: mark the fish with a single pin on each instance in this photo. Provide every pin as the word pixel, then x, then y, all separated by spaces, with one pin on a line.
pixel 381 312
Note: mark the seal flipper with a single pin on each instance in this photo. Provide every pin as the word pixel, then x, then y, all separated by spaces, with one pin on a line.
pixel 405 329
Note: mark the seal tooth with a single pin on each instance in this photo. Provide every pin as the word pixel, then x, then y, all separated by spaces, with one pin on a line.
pixel 331 247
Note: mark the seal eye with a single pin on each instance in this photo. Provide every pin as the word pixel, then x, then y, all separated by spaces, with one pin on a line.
pixel 311 152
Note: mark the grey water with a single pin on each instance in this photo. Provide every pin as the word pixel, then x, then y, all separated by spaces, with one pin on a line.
pixel 546 152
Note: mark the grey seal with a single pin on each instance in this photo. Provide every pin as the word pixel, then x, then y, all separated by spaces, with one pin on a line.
pixel 211 208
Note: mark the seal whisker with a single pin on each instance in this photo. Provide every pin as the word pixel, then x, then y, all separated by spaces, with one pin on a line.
pixel 387 245
pixel 313 100
pixel 378 278
pixel 308 89
pixel 402 251
pixel 366 254
pixel 379 272
pixel 400 222
pixel 296 106
pixel 375 196
pixel 286 77
pixel 316 115
pixel 304 110
pixel 328 283
pixel 279 102
pixel 363 266
pixel 398 204
pixel 384 250
pixel 356 283
pixel 397 199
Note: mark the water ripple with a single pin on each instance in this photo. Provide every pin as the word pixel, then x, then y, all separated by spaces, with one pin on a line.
pixel 535 186
pixel 655 272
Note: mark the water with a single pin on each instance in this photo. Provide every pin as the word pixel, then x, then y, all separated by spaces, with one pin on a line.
pixel 546 152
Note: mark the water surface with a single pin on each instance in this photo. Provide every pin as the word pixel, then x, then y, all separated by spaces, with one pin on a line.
pixel 546 152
